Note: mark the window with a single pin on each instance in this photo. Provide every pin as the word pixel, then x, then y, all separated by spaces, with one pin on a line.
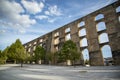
pixel 41 40
pixel 118 9
pixel 29 44
pixel 67 30
pixel 56 34
pixel 82 32
pixel 101 26
pixel 106 51
pixel 25 46
pixel 56 48
pixel 40 44
pixel 103 38
pixel 56 41
pixel 67 37
pixel 34 47
pixel 99 16
pixel 35 42
pixel 83 42
pixel 82 23
pixel 85 54
pixel 29 50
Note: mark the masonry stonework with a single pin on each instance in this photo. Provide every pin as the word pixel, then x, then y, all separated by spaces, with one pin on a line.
pixel 112 22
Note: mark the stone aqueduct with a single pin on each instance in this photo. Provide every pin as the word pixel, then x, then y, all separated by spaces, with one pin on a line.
pixel 87 33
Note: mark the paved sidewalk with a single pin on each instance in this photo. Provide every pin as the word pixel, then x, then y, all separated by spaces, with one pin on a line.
pixel 47 72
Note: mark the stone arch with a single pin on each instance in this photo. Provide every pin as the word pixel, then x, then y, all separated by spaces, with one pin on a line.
pixel 56 34
pixel 107 55
pixel 101 26
pixel 67 30
pixel 85 54
pixel 82 23
pixel 82 32
pixel 99 16
pixel 83 42
pixel 118 9
pixel 67 37
pixel 103 38
pixel 106 51
pixel 56 41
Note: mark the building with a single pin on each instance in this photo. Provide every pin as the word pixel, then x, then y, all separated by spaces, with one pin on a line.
pixel 88 33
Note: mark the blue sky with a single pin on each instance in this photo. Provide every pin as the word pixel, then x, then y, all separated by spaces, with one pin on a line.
pixel 29 19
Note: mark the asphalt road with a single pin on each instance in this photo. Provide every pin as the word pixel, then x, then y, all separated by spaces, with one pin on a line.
pixel 47 72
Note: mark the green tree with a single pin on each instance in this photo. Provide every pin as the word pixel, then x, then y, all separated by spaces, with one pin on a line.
pixel 39 53
pixel 3 57
pixel 69 52
pixel 17 52
pixel 11 53
pixel 52 57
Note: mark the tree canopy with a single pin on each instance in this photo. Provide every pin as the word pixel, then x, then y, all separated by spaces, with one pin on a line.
pixel 17 52
pixel 69 51
pixel 39 53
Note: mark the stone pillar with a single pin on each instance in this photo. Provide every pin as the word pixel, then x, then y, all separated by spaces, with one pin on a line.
pixel 96 58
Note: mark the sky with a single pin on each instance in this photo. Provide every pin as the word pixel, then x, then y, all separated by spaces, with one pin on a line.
pixel 29 19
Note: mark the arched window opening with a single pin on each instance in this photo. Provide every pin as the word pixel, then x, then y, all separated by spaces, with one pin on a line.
pixel 56 34
pixel 25 46
pixel 56 48
pixel 118 9
pixel 34 47
pixel 29 49
pixel 83 42
pixel 103 38
pixel 41 40
pixel 99 16
pixel 41 44
pixel 82 23
pixel 67 37
pixel 56 41
pixel 29 44
pixel 67 30
pixel 106 51
pixel 85 54
pixel 107 55
pixel 82 32
pixel 101 26
pixel 35 42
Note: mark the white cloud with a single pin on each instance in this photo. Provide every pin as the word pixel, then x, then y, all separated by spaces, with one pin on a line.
pixel 41 17
pixel 32 6
pixel 10 15
pixel 53 10
pixel 47 12
pixel 47 18
pixel 51 20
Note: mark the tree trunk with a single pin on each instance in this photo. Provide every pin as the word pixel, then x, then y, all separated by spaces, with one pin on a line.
pixel 21 63
pixel 14 61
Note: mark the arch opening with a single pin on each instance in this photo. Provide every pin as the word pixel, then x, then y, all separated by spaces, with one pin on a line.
pixel 101 26
pixel 82 32
pixel 82 23
pixel 107 55
pixel 99 16
pixel 85 54
pixel 103 38
pixel 83 42
pixel 118 9
pixel 67 37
